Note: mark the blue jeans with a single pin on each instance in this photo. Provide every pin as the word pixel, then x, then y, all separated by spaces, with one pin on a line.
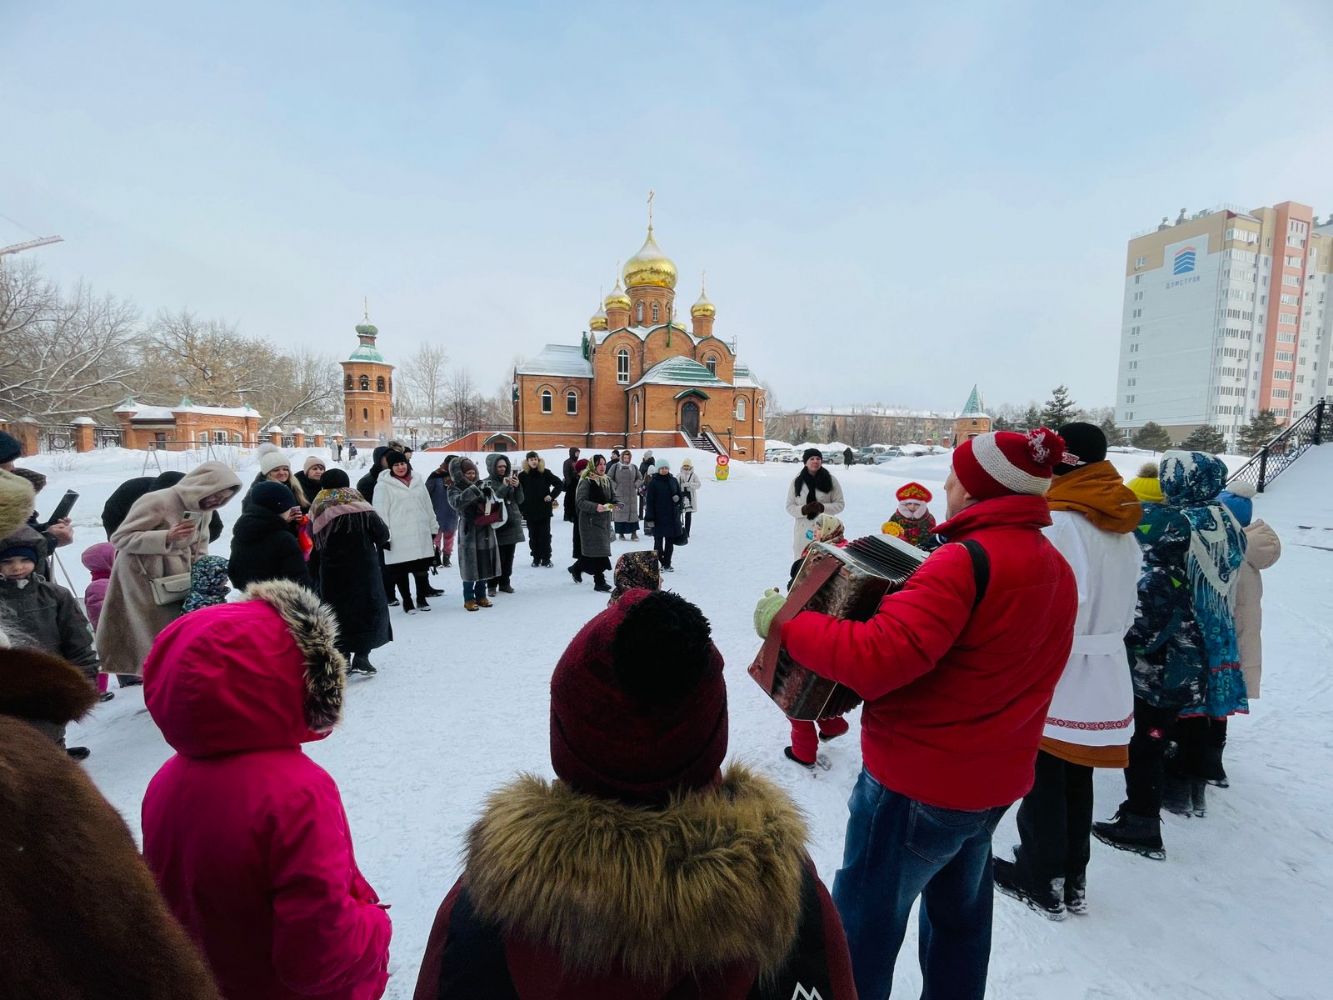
pixel 472 589
pixel 898 849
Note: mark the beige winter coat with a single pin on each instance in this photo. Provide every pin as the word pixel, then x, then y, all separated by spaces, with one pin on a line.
pixel 1262 550
pixel 130 618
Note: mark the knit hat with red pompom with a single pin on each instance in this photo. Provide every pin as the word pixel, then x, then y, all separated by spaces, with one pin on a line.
pixel 1005 463
pixel 638 702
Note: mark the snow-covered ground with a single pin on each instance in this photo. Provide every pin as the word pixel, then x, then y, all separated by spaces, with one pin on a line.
pixel 1241 909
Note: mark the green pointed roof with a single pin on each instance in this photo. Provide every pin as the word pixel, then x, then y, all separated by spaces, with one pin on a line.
pixel 973 407
pixel 366 350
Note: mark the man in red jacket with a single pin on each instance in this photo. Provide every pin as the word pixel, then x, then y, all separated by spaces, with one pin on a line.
pixel 957 670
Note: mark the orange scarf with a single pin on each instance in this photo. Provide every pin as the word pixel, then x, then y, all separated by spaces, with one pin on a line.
pixel 1098 493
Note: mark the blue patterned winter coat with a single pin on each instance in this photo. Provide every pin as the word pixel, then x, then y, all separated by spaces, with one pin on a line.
pixel 1182 646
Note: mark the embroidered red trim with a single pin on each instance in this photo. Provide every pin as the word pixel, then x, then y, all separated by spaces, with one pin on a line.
pixel 1124 723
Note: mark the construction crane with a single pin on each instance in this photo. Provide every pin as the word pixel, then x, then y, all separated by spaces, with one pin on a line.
pixel 31 244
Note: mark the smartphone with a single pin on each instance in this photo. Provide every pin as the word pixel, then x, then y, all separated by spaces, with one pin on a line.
pixel 64 507
pixel 189 515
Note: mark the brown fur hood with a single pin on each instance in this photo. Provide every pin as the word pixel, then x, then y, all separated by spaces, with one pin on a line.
pixel 16 502
pixel 39 687
pixel 712 879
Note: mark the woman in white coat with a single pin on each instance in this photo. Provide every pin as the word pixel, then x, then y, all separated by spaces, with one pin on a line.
pixel 689 484
pixel 1091 718
pixel 811 493
pixel 402 502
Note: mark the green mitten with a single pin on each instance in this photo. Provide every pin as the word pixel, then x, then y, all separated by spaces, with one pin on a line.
pixel 769 605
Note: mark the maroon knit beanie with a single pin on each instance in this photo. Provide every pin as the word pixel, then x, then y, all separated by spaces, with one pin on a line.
pixel 638 702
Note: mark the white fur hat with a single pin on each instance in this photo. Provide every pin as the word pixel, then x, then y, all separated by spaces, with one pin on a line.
pixel 274 459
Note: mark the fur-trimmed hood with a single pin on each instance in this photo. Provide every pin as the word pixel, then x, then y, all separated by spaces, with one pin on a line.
pixel 712 879
pixel 38 687
pixel 258 674
pixel 16 502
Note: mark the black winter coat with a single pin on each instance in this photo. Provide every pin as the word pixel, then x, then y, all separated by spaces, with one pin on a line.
pixel 346 571
pixel 264 548
pixel 118 504
pixel 661 506
pixel 537 485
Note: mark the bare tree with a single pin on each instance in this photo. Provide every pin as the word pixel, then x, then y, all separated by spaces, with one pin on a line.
pixel 424 379
pixel 207 359
pixel 462 402
pixel 60 356
pixel 305 386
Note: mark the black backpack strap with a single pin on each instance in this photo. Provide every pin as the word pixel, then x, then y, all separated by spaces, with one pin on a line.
pixel 473 966
pixel 980 569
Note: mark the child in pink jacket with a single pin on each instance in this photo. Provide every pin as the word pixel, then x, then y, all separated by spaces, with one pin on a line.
pixel 245 833
pixel 97 559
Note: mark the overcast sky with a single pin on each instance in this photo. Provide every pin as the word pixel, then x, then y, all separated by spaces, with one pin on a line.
pixel 892 201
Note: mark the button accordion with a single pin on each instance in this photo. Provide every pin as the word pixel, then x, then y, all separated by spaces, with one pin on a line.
pixel 845 583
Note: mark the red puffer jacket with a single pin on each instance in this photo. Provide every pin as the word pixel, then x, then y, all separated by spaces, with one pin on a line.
pixel 246 834
pixel 956 697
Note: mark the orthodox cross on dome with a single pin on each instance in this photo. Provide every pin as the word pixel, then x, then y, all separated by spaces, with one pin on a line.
pixel 365 307
pixel 651 195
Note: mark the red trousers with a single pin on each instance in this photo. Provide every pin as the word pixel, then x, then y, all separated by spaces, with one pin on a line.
pixel 805 741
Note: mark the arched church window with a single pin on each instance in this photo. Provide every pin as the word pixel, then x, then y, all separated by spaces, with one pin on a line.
pixel 365 383
pixel 546 401
pixel 640 314
pixel 710 363
pixel 740 407
pixel 622 365
pixel 571 402
pixel 347 383
pixel 656 317
pixel 379 384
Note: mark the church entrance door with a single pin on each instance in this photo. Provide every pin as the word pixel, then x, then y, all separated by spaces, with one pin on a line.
pixel 689 419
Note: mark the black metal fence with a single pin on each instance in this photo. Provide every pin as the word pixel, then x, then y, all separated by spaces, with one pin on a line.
pixel 1277 455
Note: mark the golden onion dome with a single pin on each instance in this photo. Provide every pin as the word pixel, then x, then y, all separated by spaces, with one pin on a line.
pixel 650 266
pixel 703 307
pixel 597 320
pixel 617 299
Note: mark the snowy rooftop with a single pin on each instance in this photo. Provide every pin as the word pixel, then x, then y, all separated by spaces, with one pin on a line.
pixel 744 378
pixel 558 359
pixel 680 371
pixel 642 332
pixel 873 411
pixel 140 411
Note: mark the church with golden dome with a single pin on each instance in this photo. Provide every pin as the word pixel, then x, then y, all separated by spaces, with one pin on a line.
pixel 640 378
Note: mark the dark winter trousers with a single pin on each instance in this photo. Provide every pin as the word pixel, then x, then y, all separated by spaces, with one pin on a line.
pixel 506 565
pixel 1055 822
pixel 400 573
pixel 689 519
pixel 1147 750
pixel 899 849
pixel 664 547
pixel 1199 742
pixel 539 538
pixel 386 575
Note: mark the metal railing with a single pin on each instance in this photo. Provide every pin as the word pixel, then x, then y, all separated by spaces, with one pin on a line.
pixel 1275 457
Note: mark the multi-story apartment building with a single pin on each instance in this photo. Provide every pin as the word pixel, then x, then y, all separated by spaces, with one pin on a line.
pixel 1226 313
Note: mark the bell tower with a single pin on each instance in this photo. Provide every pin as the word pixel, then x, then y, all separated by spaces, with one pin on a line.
pixel 367 390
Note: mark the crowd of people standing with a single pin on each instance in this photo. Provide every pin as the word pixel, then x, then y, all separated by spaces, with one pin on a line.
pixel 1133 611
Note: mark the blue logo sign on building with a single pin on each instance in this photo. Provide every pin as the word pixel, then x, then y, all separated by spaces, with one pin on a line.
pixel 1184 262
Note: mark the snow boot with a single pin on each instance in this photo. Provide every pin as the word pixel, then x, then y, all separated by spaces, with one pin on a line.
pixel 1136 834
pixel 484 602
pixel 434 592
pixel 1076 893
pixel 506 588
pixel 408 606
pixel 600 585
pixel 791 755
pixel 422 605
pixel 1176 798
pixel 106 696
pixel 1199 797
pixel 546 564
pixel 78 753
pixel 574 572
pixel 831 729
pixel 1048 900
pixel 361 665
pixel 491 589
pixel 471 606
pixel 393 602
pixel 634 537
pixel 536 563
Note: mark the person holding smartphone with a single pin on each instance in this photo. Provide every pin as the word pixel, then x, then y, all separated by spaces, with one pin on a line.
pixel 262 545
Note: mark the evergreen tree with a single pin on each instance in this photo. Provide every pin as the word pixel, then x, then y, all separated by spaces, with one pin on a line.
pixel 1114 435
pixel 1002 424
pixel 1206 439
pixel 1032 417
pixel 1059 409
pixel 1152 437
pixel 1259 431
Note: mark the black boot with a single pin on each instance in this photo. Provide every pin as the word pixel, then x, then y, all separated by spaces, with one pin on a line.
pixel 361 664
pixel 78 753
pixel 408 606
pixel 1176 797
pixel 1076 893
pixel 576 573
pixel 1137 834
pixel 1198 797
pixel 1213 771
pixel 1048 900
pixel 600 585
